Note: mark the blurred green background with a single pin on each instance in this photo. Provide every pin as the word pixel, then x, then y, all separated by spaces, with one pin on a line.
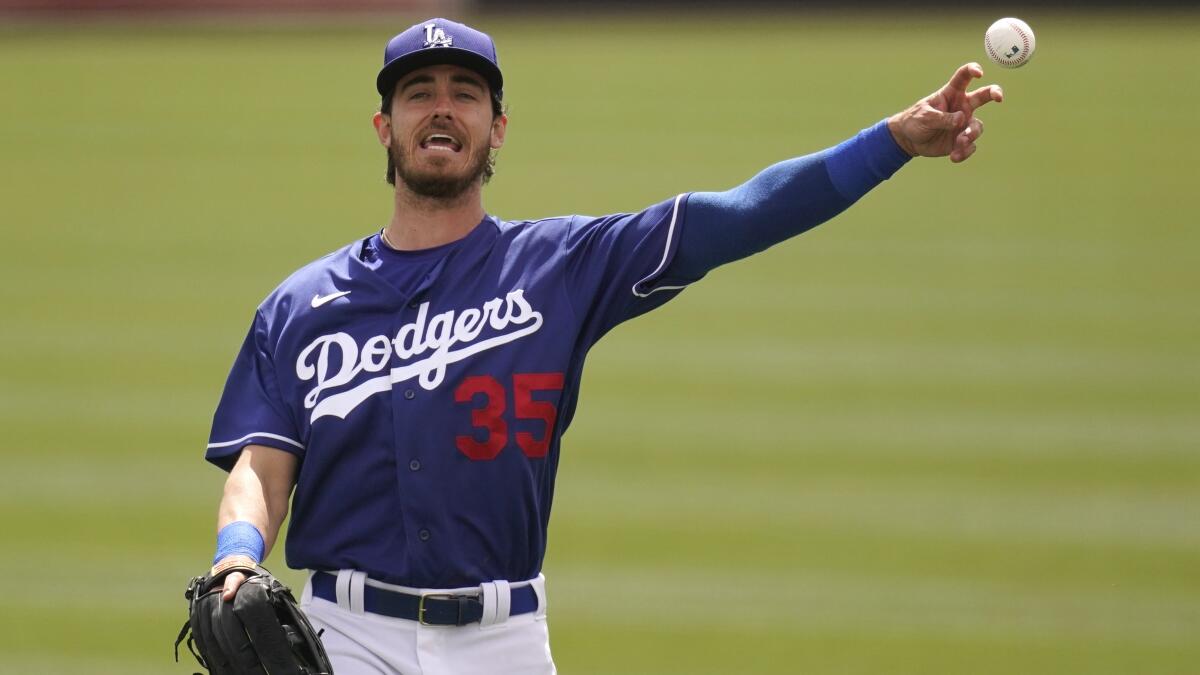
pixel 956 430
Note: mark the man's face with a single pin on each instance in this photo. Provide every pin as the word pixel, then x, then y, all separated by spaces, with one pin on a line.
pixel 440 130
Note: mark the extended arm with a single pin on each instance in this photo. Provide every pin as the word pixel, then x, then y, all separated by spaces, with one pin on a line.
pixel 257 491
pixel 782 201
pixel 798 194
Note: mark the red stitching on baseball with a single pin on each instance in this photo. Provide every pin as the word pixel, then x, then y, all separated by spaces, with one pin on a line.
pixel 1024 39
pixel 987 41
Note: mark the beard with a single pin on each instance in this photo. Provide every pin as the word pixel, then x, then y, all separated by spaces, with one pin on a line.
pixel 435 184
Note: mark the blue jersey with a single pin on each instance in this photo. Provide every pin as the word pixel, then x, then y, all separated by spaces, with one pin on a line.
pixel 426 393
pixel 427 404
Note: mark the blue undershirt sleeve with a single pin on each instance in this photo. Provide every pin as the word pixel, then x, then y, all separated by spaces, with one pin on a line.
pixel 783 201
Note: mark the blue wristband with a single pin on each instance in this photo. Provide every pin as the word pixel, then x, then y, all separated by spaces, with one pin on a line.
pixel 239 538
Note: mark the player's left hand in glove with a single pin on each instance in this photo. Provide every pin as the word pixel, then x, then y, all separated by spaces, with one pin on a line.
pixel 261 631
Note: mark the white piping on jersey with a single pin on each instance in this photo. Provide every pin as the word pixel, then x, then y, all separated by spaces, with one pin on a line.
pixel 261 434
pixel 663 263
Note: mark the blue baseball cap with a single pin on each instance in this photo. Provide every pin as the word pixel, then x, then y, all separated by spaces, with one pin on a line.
pixel 435 42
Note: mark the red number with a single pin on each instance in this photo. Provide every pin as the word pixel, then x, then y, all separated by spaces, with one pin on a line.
pixel 524 384
pixel 491 415
pixel 488 417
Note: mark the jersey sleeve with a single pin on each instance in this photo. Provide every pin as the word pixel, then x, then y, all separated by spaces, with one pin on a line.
pixel 617 265
pixel 251 411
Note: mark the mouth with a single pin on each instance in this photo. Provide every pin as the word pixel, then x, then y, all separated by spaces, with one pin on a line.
pixel 441 142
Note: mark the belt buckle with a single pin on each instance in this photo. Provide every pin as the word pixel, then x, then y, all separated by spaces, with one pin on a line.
pixel 421 606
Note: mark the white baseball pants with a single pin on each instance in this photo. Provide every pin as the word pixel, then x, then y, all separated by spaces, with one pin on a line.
pixel 361 643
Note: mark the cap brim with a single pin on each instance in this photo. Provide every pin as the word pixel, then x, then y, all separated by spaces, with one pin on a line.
pixel 398 68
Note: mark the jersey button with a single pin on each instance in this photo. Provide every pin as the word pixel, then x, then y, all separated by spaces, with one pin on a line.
pixel 410 394
pixel 414 465
pixel 423 535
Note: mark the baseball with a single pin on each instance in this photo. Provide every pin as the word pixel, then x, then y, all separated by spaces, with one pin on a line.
pixel 1009 42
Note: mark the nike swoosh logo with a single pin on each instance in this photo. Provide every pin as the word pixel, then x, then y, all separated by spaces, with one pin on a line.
pixel 319 299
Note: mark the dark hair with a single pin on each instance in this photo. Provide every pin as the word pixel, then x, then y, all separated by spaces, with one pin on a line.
pixel 489 170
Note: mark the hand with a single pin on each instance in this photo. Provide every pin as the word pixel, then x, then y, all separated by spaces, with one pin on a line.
pixel 232 583
pixel 944 123
pixel 235 578
pixel 264 631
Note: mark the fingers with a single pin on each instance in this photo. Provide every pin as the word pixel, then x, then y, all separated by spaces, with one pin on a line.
pixel 932 118
pixel 963 76
pixel 964 143
pixel 984 95
pixel 962 155
pixel 232 583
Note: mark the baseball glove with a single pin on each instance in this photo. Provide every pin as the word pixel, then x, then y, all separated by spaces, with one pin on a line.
pixel 261 632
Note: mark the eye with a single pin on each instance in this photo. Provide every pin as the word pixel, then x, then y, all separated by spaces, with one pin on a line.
pixel 418 95
pixel 467 96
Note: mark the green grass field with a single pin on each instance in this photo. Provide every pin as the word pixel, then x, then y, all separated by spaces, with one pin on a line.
pixel 957 430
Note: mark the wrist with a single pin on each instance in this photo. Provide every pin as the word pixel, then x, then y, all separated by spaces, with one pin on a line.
pixel 233 563
pixel 894 125
pixel 240 539
pixel 865 160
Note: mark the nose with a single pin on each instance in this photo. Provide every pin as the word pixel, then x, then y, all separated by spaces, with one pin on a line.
pixel 441 106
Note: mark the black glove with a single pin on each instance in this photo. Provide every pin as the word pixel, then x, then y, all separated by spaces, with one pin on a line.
pixel 260 632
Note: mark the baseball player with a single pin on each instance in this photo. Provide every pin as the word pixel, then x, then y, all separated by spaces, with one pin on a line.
pixel 406 394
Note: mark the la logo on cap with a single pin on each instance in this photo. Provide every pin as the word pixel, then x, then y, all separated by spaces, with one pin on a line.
pixel 436 37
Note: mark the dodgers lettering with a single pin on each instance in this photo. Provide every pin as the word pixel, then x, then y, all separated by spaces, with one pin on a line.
pixel 441 333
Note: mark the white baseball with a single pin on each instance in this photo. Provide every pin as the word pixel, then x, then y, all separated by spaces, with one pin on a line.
pixel 1009 42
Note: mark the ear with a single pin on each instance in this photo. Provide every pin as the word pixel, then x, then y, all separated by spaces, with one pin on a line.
pixel 383 128
pixel 499 128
